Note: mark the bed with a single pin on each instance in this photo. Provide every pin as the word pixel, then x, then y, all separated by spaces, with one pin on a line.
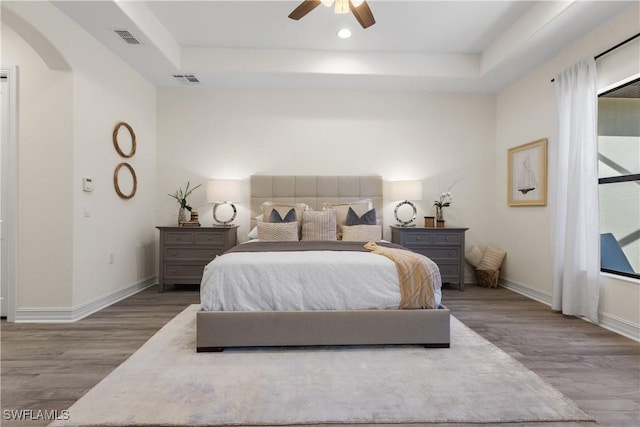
pixel 344 294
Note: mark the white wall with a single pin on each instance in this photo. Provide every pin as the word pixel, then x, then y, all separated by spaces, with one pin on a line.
pixel 66 123
pixel 107 92
pixel 525 112
pixel 440 139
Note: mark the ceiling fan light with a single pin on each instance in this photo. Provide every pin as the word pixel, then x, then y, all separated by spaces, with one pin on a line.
pixel 342 6
pixel 327 3
pixel 344 33
pixel 356 3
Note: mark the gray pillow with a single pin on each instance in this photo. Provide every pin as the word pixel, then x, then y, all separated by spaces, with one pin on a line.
pixel 367 218
pixel 289 217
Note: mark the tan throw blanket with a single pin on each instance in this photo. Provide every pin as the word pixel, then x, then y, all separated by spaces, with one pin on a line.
pixel 415 274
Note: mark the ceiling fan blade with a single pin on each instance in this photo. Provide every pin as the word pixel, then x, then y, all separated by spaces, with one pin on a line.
pixel 363 14
pixel 305 7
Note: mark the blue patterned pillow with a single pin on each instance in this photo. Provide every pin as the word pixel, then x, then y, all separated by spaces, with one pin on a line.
pixel 367 218
pixel 289 217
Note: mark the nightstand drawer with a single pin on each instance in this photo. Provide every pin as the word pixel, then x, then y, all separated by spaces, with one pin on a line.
pixel 177 254
pixel 442 253
pixel 214 239
pixel 178 237
pixel 416 239
pixel 447 238
pixel 175 271
pixel 449 270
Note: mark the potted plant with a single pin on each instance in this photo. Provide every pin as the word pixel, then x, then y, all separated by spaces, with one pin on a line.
pixel 445 200
pixel 181 197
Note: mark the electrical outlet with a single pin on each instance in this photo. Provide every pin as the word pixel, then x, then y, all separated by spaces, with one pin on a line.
pixel 112 257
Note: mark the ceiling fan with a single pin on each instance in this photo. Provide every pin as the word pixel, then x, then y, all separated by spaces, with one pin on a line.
pixel 359 8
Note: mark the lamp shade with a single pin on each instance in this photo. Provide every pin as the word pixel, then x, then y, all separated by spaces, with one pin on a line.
pixel 224 190
pixel 406 190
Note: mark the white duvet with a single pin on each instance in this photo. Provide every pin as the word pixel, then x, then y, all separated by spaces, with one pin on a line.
pixel 313 280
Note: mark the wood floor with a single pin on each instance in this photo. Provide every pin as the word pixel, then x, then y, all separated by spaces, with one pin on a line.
pixel 50 366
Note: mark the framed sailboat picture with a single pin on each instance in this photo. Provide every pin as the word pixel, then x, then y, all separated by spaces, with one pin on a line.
pixel 528 174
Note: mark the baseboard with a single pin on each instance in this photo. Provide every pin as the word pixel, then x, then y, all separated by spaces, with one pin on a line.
pixel 526 291
pixel 619 326
pixel 614 324
pixel 73 314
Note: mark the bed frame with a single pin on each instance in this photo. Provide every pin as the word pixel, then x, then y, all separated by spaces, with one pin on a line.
pixel 216 330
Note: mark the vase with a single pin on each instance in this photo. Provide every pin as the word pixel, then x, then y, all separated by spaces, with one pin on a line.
pixel 439 213
pixel 182 216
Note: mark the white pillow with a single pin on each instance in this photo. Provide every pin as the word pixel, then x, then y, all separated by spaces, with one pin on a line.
pixel 253 234
pixel 492 259
pixel 361 233
pixel 473 256
pixel 278 231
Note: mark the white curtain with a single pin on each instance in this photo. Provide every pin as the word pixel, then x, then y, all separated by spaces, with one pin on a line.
pixel 574 193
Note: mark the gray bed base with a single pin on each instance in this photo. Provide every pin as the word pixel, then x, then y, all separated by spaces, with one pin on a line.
pixel 219 329
pixel 216 330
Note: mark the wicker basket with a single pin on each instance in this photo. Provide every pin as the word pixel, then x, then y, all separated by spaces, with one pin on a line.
pixel 487 278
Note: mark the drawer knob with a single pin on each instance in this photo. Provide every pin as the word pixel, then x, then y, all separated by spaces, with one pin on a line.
pixel 174 253
pixel 449 270
pixel 210 237
pixel 418 238
pixel 174 271
pixel 179 238
pixel 446 239
pixel 449 253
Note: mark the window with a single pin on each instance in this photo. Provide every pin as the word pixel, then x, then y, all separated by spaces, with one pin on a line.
pixel 619 179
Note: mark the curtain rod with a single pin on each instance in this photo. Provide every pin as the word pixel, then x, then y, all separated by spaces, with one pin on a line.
pixel 622 43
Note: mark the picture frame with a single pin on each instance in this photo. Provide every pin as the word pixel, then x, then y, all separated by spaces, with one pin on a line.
pixel 527 174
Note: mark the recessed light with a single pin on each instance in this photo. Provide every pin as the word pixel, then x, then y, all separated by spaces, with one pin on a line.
pixel 344 33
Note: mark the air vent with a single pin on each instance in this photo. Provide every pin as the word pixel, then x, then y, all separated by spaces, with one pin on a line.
pixel 127 36
pixel 186 78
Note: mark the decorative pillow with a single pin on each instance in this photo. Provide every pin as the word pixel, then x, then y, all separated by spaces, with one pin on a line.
pixel 473 256
pixel 361 233
pixel 278 231
pixel 342 209
pixel 319 225
pixel 289 217
pixel 492 259
pixel 367 218
pixel 283 209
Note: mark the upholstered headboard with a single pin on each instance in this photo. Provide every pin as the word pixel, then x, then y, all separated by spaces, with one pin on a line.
pixel 313 190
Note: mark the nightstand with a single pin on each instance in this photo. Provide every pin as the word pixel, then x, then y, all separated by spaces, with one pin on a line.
pixel 184 251
pixel 444 246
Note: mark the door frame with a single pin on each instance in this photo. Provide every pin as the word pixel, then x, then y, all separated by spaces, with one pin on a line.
pixel 9 194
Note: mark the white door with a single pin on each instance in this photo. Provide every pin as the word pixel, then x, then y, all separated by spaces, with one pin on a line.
pixel 8 190
pixel 4 128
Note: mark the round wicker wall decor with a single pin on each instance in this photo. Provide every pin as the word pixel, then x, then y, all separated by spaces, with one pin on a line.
pixel 116 143
pixel 134 179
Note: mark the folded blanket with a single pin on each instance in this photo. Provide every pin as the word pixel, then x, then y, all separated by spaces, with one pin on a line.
pixel 306 245
pixel 415 273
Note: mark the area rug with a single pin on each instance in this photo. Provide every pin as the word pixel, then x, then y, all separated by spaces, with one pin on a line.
pixel 167 383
